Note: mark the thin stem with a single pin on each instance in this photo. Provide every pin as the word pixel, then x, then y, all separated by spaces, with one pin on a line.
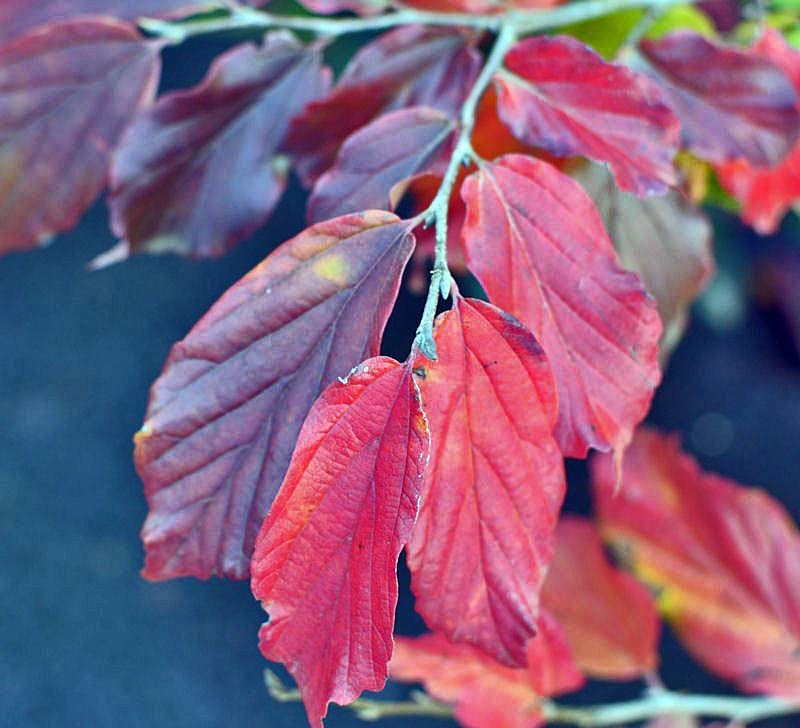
pixel 366 709
pixel 523 21
pixel 438 209
pixel 655 703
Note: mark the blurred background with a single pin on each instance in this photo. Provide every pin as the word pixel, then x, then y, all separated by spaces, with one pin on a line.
pixel 84 641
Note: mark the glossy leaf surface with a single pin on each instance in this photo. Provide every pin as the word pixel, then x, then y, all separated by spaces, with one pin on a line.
pixel 494 484
pixel 558 94
pixel 767 194
pixel 536 242
pixel 484 692
pixel 666 240
pixel 325 564
pixel 408 66
pixel 67 91
pixel 225 413
pixel 376 163
pixel 724 560
pixel 609 618
pixel 731 104
pixel 202 168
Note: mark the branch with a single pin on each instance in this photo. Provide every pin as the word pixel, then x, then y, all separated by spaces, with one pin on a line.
pixel 419 705
pixel 523 21
pixel 659 702
pixel 437 210
pixel 654 703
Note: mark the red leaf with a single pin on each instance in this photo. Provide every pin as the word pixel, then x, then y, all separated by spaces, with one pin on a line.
pixel 325 564
pixel 666 240
pixel 767 194
pixel 377 162
pixel 536 242
pixel 484 692
pixel 723 559
pixel 731 104
pixel 494 485
pixel 67 91
pixel 609 618
pixel 225 413
pixel 202 169
pixel 20 16
pixel 560 95
pixel 408 66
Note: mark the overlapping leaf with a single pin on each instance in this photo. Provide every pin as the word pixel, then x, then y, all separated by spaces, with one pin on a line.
pixel 20 16
pixel 724 560
pixel 203 168
pixel 376 163
pixel 225 413
pixel 666 240
pixel 767 194
pixel 609 618
pixel 732 104
pixel 408 66
pixel 558 94
pixel 67 91
pixel 494 484
pixel 536 242
pixel 325 564
pixel 484 692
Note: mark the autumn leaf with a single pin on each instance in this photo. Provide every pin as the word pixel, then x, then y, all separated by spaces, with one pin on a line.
pixel 225 413
pixel 609 618
pixel 484 692
pixel 408 66
pixel 494 485
pixel 20 16
pixel 731 103
pixel 558 94
pixel 325 563
pixel 376 163
pixel 723 559
pixel 666 240
pixel 67 91
pixel 536 242
pixel 203 168
pixel 767 194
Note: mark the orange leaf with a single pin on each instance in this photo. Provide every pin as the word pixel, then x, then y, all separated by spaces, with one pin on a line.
pixel 484 692
pixel 608 617
pixel 724 560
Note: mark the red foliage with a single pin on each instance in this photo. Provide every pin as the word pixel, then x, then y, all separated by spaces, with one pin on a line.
pixel 560 95
pixel 488 514
pixel 257 461
pixel 559 276
pixel 327 553
pixel 226 411
pixel 95 74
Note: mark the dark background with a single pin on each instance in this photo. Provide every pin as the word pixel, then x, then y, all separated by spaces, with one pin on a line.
pixel 84 641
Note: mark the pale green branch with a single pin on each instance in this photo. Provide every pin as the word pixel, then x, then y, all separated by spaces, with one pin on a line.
pixel 437 210
pixel 655 702
pixel 658 702
pixel 523 21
